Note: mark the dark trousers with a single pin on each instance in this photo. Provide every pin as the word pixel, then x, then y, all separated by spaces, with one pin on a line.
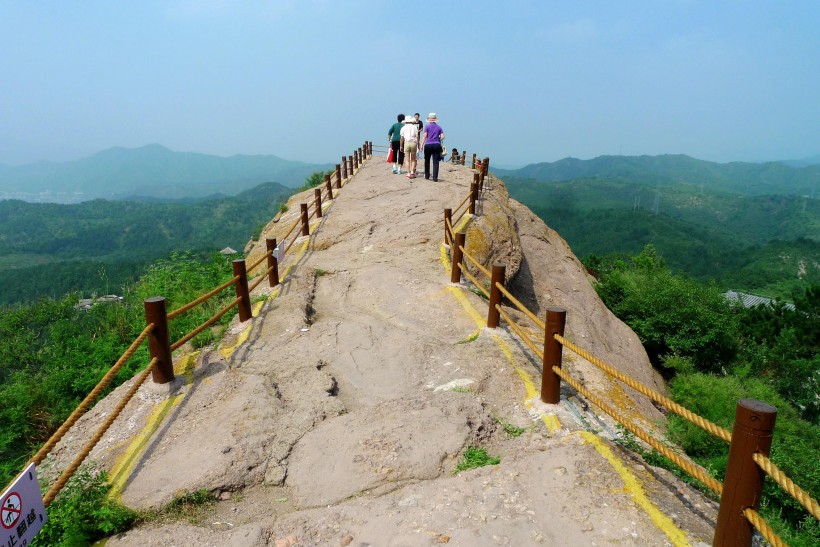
pixel 398 153
pixel 432 151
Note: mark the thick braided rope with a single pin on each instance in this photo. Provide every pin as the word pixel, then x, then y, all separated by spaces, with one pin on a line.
pixel 787 484
pixel 475 282
pixel 519 331
pixel 693 469
pixel 89 446
pixel 763 527
pixel 475 262
pixel 258 262
pixel 521 307
pixel 705 424
pixel 293 227
pixel 190 305
pixel 313 214
pixel 83 406
pixel 292 241
pixel 178 344
pixel 260 279
pixel 449 227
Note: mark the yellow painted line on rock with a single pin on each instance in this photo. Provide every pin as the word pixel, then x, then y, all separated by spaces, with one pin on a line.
pixel 122 469
pixel 633 487
pixel 552 423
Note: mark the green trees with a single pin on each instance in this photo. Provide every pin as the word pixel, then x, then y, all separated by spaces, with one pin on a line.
pixel 717 354
pixel 672 315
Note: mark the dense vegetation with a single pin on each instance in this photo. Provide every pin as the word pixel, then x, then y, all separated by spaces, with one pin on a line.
pixel 765 244
pixel 101 246
pixel 714 354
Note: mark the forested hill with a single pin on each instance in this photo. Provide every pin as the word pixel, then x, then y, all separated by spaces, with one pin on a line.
pixel 49 249
pixel 736 177
pixel 150 171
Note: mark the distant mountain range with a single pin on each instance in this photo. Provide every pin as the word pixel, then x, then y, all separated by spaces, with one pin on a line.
pixel 151 171
pixel 772 178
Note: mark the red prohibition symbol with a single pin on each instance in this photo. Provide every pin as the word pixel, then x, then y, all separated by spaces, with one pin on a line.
pixel 10 510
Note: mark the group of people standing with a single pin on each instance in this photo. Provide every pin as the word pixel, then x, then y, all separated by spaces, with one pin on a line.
pixel 408 136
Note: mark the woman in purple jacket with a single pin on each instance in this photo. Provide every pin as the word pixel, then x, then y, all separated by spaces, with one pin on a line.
pixel 431 143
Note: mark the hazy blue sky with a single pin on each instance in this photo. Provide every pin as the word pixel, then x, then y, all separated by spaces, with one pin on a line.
pixel 519 81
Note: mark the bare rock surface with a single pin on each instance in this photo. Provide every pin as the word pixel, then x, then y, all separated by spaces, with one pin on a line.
pixel 342 411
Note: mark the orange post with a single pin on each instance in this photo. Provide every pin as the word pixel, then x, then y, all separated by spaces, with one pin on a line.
pixel 242 290
pixel 317 198
pixel 742 487
pixel 448 220
pixel 551 382
pixel 159 343
pixel 305 222
pixel 273 262
pixel 455 274
pixel 493 315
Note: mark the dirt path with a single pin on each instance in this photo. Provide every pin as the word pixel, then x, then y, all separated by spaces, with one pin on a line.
pixel 341 418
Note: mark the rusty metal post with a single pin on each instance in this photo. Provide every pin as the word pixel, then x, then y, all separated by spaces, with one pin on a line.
pixel 493 315
pixel 473 197
pixel 242 290
pixel 551 382
pixel 329 186
pixel 305 221
pixel 455 274
pixel 159 342
pixel 742 487
pixel 273 262
pixel 338 176
pixel 448 219
pixel 317 198
pixel 473 164
pixel 344 170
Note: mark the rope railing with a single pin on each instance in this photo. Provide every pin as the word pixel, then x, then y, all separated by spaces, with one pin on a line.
pixel 681 411
pixel 156 330
pixel 693 469
pixel 69 471
pixel 214 318
pixel 740 492
pixel 787 484
pixel 98 389
pixel 194 303
pixel 763 527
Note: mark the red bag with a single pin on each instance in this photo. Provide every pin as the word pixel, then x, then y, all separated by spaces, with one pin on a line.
pixel 390 156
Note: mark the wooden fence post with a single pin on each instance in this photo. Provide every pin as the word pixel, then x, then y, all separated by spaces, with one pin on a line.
pixel 455 274
pixel 242 290
pixel 159 343
pixel 493 315
pixel 448 221
pixel 752 432
pixel 350 166
pixel 328 186
pixel 361 157
pixel 317 199
pixel 338 176
pixel 473 197
pixel 473 164
pixel 463 158
pixel 273 262
pixel 355 162
pixel 484 163
pixel 344 170
pixel 305 221
pixel 551 382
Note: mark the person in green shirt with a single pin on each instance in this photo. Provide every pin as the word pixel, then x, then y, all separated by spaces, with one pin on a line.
pixel 394 137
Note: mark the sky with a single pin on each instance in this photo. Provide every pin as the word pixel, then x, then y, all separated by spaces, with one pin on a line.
pixel 310 80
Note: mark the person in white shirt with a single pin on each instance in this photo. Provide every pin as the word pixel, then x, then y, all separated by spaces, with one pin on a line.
pixel 410 145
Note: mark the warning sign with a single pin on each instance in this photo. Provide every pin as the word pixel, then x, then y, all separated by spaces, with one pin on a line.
pixel 22 512
pixel 12 507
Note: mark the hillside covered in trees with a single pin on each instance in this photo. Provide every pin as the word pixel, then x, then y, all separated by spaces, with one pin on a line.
pixel 752 227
